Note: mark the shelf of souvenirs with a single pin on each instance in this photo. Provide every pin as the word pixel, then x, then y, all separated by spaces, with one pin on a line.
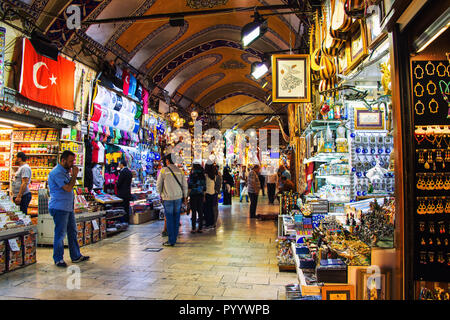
pixel 318 125
pixel 66 140
pixel 326 156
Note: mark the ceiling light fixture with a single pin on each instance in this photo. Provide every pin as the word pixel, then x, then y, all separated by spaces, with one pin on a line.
pixel 19 123
pixel 259 69
pixel 433 31
pixel 253 30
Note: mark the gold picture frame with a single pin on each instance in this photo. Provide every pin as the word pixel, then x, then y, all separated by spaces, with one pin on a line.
pixel 371 286
pixel 373 24
pixel 345 292
pixel 342 61
pixel 369 120
pixel 291 78
pixel 357 47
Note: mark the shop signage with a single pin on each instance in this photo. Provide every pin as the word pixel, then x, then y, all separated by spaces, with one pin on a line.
pixel 45 80
pixel 291 78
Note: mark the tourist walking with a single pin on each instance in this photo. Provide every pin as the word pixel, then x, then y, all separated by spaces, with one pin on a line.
pixel 172 186
pixel 217 187
pixel 210 174
pixel 197 188
pixel 242 183
pixel 271 187
pixel 227 184
pixel 253 189
pixel 61 181
pixel 124 189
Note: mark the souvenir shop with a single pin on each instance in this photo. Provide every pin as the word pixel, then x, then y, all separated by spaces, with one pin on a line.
pixel 100 122
pixel 348 230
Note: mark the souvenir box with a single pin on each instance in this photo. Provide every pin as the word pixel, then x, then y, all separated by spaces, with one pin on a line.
pixel 80 233
pixel 87 232
pixel 306 261
pixel 15 260
pixel 332 271
pixel 102 228
pixel 96 233
pixel 30 248
pixel 2 257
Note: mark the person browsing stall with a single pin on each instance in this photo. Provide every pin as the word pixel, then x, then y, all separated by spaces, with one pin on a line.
pixel 20 185
pixel 61 181
pixel 124 188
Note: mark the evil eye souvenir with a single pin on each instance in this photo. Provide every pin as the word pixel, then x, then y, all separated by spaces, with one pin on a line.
pixel 116 119
pixel 358 150
pixel 118 103
pixel 157 156
pixel 352 135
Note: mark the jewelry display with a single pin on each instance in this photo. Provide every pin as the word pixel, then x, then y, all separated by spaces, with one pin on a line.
pixel 431 256
pixel 445 94
pixel 419 69
pixel 422 226
pixel 435 103
pixel 419 107
pixel 423 257
pixel 419 87
pixel 429 72
pixel 439 68
pixel 431 91
pixel 422 242
pixel 432 227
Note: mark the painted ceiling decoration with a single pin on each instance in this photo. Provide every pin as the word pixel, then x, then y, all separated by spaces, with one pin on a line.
pixel 200 63
pixel 232 65
pixel 203 4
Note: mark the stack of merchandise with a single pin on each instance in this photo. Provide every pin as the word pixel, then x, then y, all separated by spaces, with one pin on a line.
pixel 15 259
pixel 102 197
pixel 10 214
pixel 87 232
pixel 30 248
pixel 80 203
pixel 95 230
pixel 2 257
pixel 35 135
pixel 102 228
pixel 285 257
pixel 80 233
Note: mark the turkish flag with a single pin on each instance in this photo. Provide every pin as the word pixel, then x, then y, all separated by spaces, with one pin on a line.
pixel 126 81
pixel 45 80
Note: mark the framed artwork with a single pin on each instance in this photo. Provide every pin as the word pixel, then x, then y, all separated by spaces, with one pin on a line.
pixel 357 47
pixel 373 24
pixel 369 120
pixel 346 292
pixel 342 61
pixel 291 78
pixel 373 286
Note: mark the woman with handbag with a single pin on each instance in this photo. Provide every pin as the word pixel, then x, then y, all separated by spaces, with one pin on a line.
pixel 172 186
pixel 210 175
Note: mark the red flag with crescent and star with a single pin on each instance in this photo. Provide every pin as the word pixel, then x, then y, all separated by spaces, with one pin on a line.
pixel 45 80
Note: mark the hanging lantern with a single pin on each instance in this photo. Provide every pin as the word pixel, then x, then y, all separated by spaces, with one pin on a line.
pixel 194 115
pixel 174 116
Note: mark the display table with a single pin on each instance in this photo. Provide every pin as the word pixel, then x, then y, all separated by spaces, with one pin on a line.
pixel 17 248
pixel 88 230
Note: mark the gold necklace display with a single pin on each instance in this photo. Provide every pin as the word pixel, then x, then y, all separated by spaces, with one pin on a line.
pixel 447 207
pixel 431 72
pixel 418 68
pixel 421 209
pixel 440 65
pixel 420 87
pixel 435 103
pixel 422 108
pixel 433 90
pixel 439 207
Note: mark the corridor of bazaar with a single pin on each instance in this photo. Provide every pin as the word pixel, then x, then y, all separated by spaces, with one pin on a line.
pixel 224 150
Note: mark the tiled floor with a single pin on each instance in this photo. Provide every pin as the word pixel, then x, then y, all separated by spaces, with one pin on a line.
pixel 235 261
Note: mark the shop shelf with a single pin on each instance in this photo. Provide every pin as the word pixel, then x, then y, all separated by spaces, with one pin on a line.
pixel 35 167
pixel 35 142
pixel 66 140
pixel 41 154
pixel 327 156
pixel 333 176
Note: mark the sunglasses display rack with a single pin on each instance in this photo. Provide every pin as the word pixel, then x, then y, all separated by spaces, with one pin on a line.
pixel 431 224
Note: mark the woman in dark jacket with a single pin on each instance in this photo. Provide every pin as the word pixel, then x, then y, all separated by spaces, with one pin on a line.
pixel 228 183
pixel 197 188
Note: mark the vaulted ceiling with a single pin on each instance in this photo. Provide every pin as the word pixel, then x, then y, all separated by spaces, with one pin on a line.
pixel 202 61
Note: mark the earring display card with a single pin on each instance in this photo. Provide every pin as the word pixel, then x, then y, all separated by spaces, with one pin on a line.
pixel 430 99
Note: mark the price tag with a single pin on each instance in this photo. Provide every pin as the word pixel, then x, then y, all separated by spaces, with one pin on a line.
pixel 13 244
pixel 94 224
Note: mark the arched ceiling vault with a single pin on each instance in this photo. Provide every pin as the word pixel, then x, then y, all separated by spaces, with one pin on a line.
pixel 202 60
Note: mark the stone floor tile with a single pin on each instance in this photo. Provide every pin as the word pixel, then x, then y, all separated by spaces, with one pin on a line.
pixel 192 297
